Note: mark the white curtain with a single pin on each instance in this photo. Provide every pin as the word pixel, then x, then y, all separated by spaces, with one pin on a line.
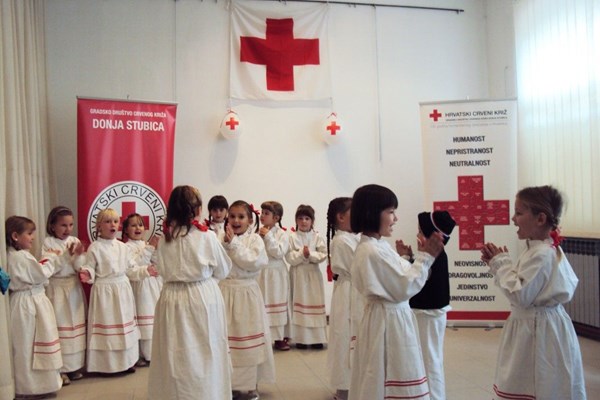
pixel 25 184
pixel 558 79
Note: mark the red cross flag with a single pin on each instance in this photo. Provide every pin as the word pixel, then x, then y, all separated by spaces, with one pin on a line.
pixel 279 51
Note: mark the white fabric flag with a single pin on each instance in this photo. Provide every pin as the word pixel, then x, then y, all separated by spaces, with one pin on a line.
pixel 279 51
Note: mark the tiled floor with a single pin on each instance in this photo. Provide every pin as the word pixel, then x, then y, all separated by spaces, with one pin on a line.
pixel 302 374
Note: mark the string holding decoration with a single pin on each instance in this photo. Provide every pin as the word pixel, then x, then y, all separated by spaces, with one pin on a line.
pixel 231 126
pixel 332 130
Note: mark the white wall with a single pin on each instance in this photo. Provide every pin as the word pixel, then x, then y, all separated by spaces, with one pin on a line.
pixel 385 61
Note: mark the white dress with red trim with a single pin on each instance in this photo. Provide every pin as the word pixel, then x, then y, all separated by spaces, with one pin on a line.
pixel 539 355
pixel 341 329
pixel 388 363
pixel 274 282
pixel 66 295
pixel 190 356
pixel 247 323
pixel 146 291
pixel 35 343
pixel 309 321
pixel 112 331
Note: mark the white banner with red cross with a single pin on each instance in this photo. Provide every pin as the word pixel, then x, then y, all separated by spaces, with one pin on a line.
pixel 124 161
pixel 470 170
pixel 279 51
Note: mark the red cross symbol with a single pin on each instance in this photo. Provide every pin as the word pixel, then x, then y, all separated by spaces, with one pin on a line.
pixel 128 207
pixel 232 123
pixel 279 52
pixel 333 128
pixel 435 115
pixel 472 213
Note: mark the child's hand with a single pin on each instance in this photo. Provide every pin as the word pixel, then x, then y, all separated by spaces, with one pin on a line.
pixel 77 249
pixel 490 250
pixel 85 276
pixel 228 234
pixel 306 252
pixel 152 270
pixel 403 249
pixel 154 241
pixel 433 245
pixel 263 231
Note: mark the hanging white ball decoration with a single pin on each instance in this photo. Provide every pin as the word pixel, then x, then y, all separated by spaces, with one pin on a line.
pixel 231 127
pixel 332 129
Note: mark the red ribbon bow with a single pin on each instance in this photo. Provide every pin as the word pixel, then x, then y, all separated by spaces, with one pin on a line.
pixel 556 238
pixel 206 222
pixel 200 226
pixel 257 212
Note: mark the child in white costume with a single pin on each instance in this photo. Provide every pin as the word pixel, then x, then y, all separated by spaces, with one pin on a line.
pixel 247 323
pixel 217 214
pixel 190 356
pixel 347 303
pixel 539 355
pixel 307 251
pixel 146 290
pixel 65 291
pixel 274 279
pixel 387 361
pixel 112 332
pixel 35 342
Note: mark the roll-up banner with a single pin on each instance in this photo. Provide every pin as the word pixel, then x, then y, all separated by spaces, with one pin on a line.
pixel 124 161
pixel 470 170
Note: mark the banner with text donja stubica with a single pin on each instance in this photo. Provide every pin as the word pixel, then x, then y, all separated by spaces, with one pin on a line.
pixel 469 160
pixel 124 161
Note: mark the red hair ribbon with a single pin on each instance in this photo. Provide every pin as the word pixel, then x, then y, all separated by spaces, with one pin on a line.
pixel 556 238
pixel 206 222
pixel 257 212
pixel 293 229
pixel 284 228
pixel 200 226
pixel 329 273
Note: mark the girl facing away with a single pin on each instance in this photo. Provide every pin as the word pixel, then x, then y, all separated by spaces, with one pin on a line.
pixel 65 291
pixel 274 279
pixel 346 303
pixel 35 342
pixel 112 332
pixel 217 215
pixel 539 355
pixel 190 355
pixel 387 361
pixel 146 289
pixel 307 251
pixel 247 323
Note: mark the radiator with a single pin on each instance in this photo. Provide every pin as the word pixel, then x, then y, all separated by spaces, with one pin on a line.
pixel 584 256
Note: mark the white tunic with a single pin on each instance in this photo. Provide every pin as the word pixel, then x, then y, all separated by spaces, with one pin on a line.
pixel 539 355
pixel 190 357
pixel 146 292
pixel 274 282
pixel 35 342
pixel 387 360
pixel 247 323
pixel 112 332
pixel 309 322
pixel 66 295
pixel 341 330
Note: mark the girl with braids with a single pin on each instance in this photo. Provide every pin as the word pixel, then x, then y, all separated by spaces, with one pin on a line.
pixel 307 251
pixel 190 357
pixel 247 324
pixel 274 280
pixel 65 291
pixel 539 355
pixel 217 214
pixel 346 302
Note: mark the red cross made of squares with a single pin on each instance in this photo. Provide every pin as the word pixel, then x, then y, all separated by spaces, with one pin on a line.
pixel 333 127
pixel 435 115
pixel 472 212
pixel 232 123
pixel 128 207
pixel 279 52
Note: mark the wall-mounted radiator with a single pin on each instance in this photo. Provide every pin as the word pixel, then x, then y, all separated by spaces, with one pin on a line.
pixel 584 309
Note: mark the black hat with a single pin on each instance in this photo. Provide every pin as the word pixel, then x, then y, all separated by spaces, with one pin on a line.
pixel 440 221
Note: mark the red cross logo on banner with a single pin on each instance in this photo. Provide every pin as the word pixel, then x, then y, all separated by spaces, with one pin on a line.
pixel 279 52
pixel 472 213
pixel 128 207
pixel 435 115
pixel 232 123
